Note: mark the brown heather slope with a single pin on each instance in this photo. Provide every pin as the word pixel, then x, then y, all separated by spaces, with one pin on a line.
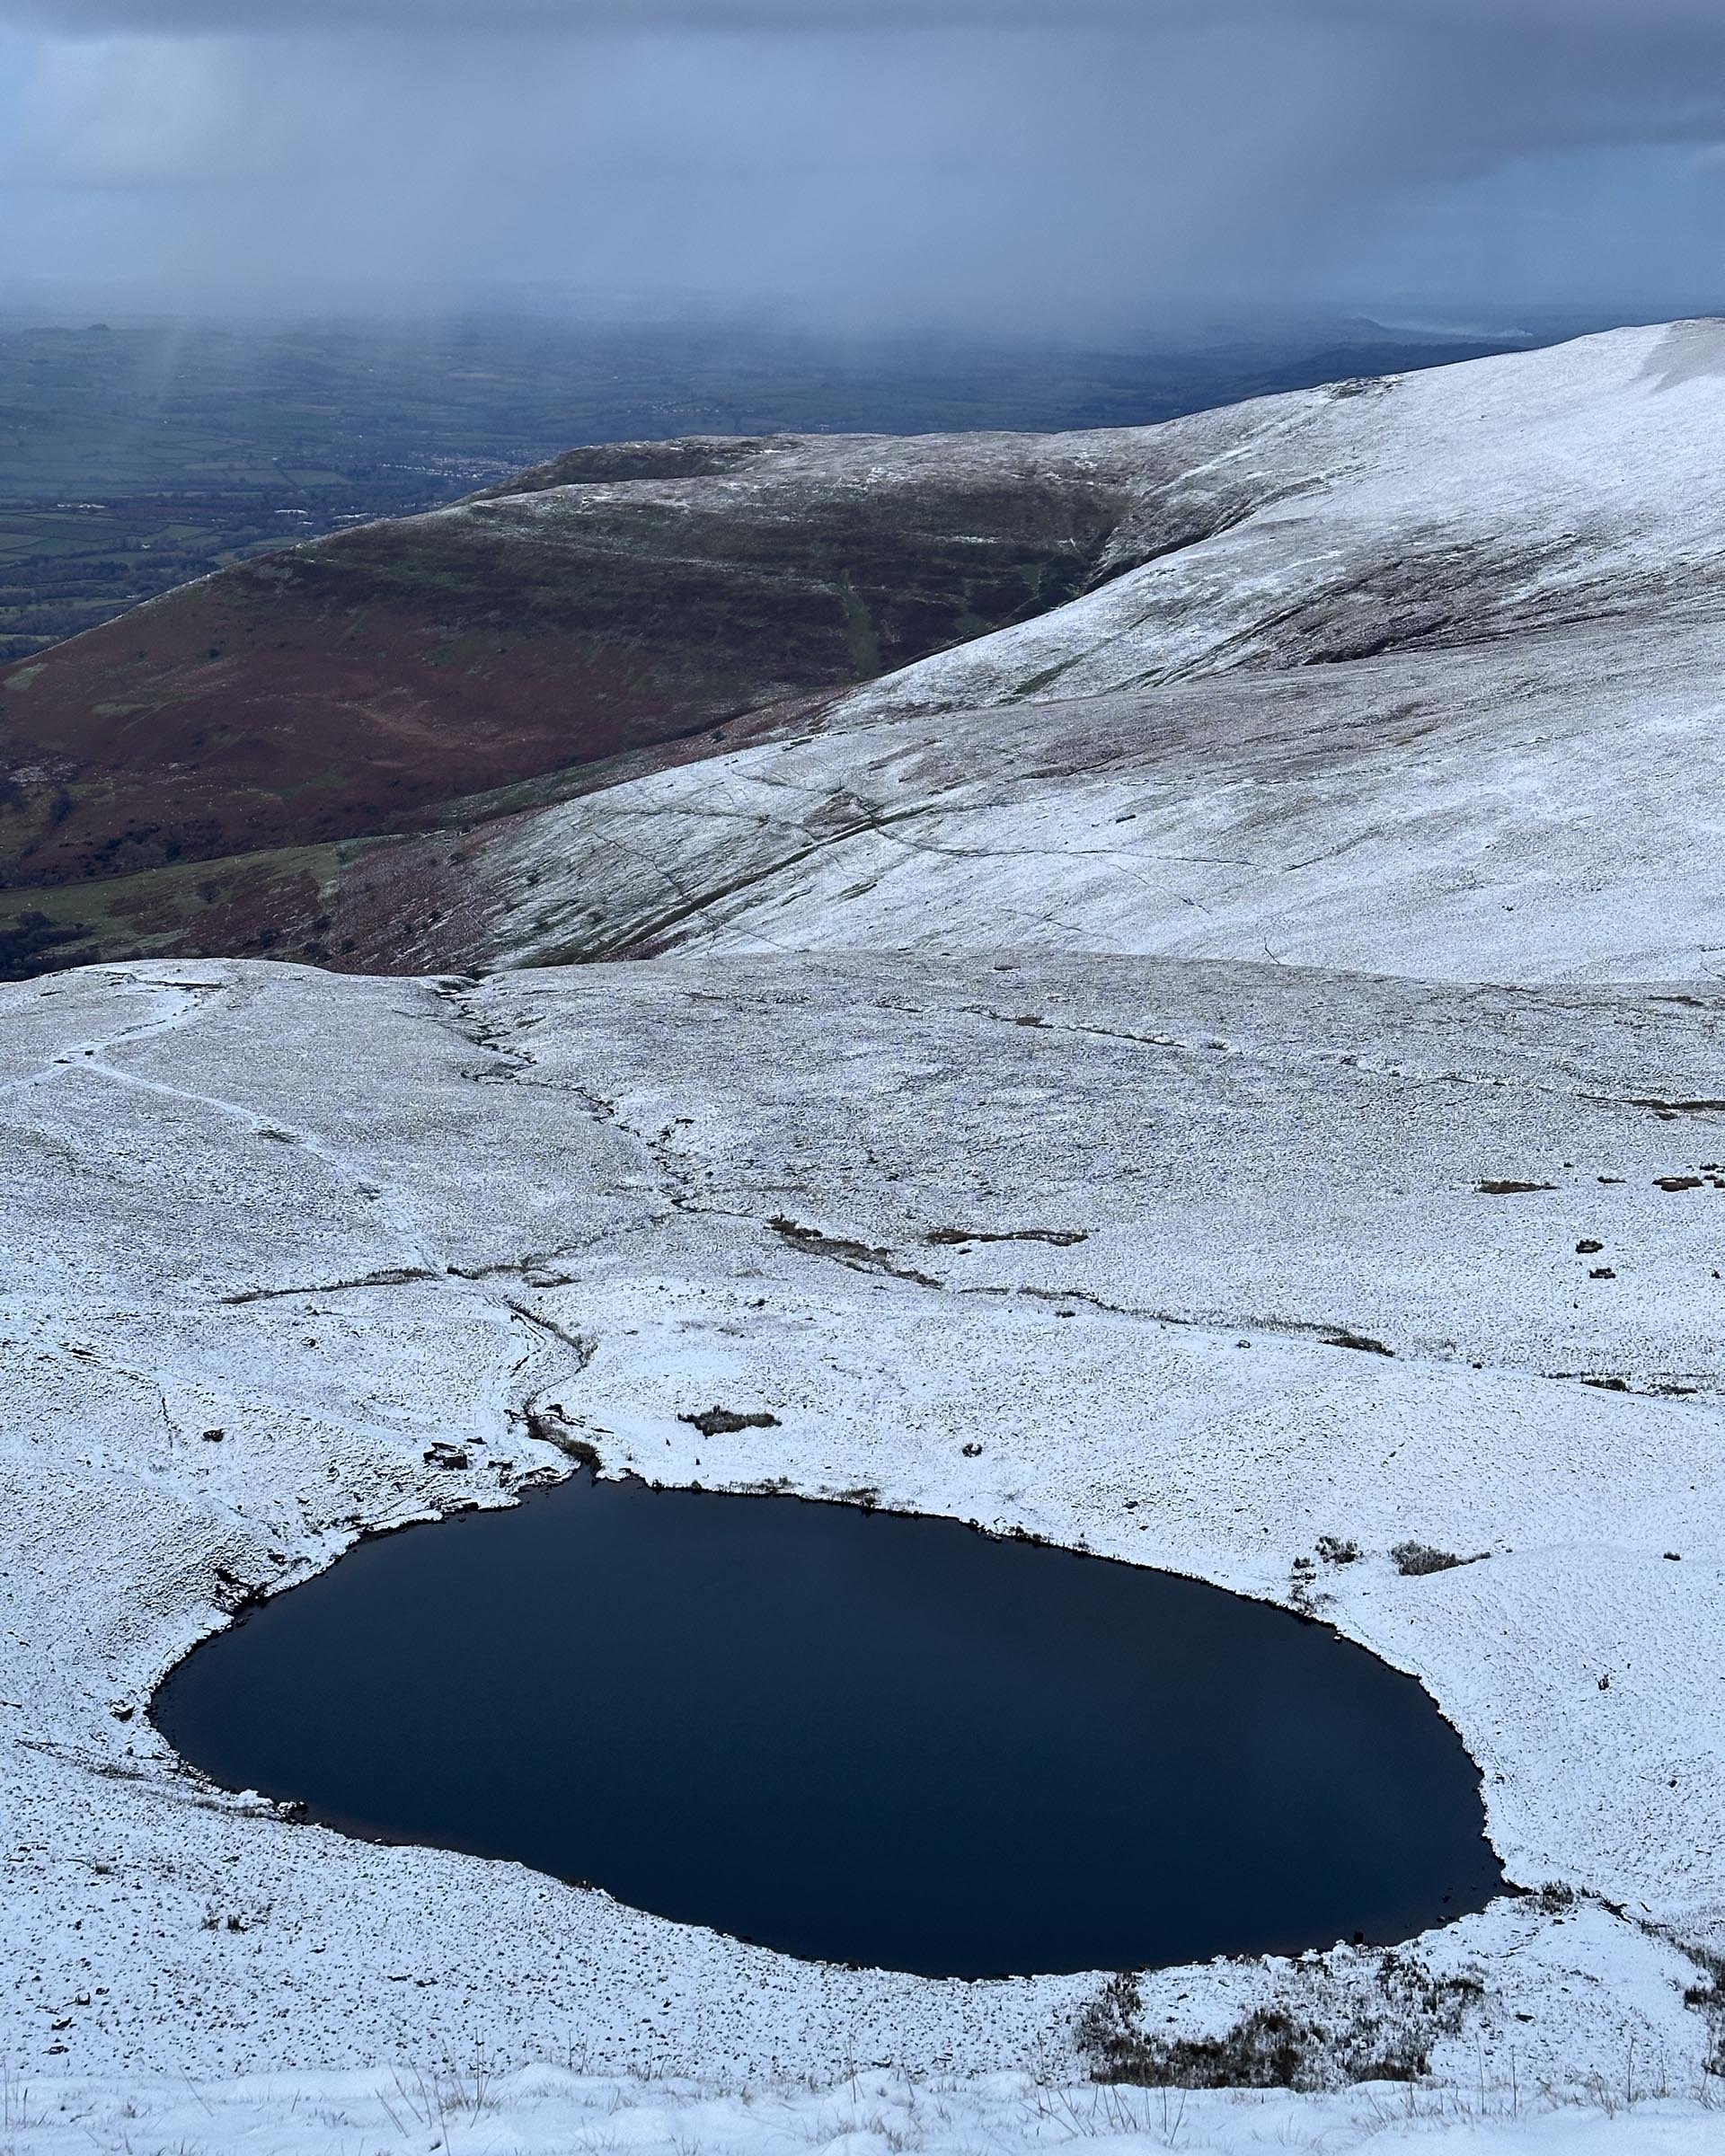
pixel 393 903
pixel 355 686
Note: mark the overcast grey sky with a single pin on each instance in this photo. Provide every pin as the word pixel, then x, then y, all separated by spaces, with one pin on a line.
pixel 1037 162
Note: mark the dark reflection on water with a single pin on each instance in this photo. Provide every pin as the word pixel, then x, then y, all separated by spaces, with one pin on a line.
pixel 850 1736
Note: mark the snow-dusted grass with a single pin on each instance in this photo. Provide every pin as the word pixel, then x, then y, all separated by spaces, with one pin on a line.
pixel 1443 507
pixel 548 2111
pixel 338 1222
pixel 1542 809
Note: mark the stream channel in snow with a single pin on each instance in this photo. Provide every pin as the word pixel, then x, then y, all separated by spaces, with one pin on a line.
pixel 850 1735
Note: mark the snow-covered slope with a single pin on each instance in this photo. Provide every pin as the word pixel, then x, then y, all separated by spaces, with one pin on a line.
pixel 344 1223
pixel 1195 758
pixel 1539 808
pixel 548 2110
pixel 634 605
pixel 1578 483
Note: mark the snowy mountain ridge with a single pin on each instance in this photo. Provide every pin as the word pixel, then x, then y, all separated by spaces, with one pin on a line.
pixel 1450 658
pixel 1466 503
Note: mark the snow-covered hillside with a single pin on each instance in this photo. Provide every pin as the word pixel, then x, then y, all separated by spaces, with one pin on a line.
pixel 347 1222
pixel 1519 787
pixel 1439 648
pixel 1442 507
pixel 1079 1108
pixel 1544 807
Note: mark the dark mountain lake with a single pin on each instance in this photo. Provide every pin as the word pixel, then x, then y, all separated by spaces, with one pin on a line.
pixel 850 1736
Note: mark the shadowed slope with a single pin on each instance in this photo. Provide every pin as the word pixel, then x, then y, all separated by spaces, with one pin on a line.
pixel 351 685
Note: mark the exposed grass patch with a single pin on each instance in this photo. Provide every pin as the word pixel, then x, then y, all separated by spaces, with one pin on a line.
pixel 1361 2024
pixel 1060 1239
pixel 1413 1560
pixel 725 1422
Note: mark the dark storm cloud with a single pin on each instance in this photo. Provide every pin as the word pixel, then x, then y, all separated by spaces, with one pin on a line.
pixel 1486 76
pixel 1576 21
pixel 1034 157
pixel 1562 17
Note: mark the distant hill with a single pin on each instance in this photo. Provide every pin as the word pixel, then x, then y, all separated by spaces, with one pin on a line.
pixel 553 720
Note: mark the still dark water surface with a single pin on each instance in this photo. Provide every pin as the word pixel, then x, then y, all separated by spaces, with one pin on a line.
pixel 850 1735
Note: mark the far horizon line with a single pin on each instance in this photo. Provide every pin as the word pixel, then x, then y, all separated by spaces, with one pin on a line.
pixel 36 302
